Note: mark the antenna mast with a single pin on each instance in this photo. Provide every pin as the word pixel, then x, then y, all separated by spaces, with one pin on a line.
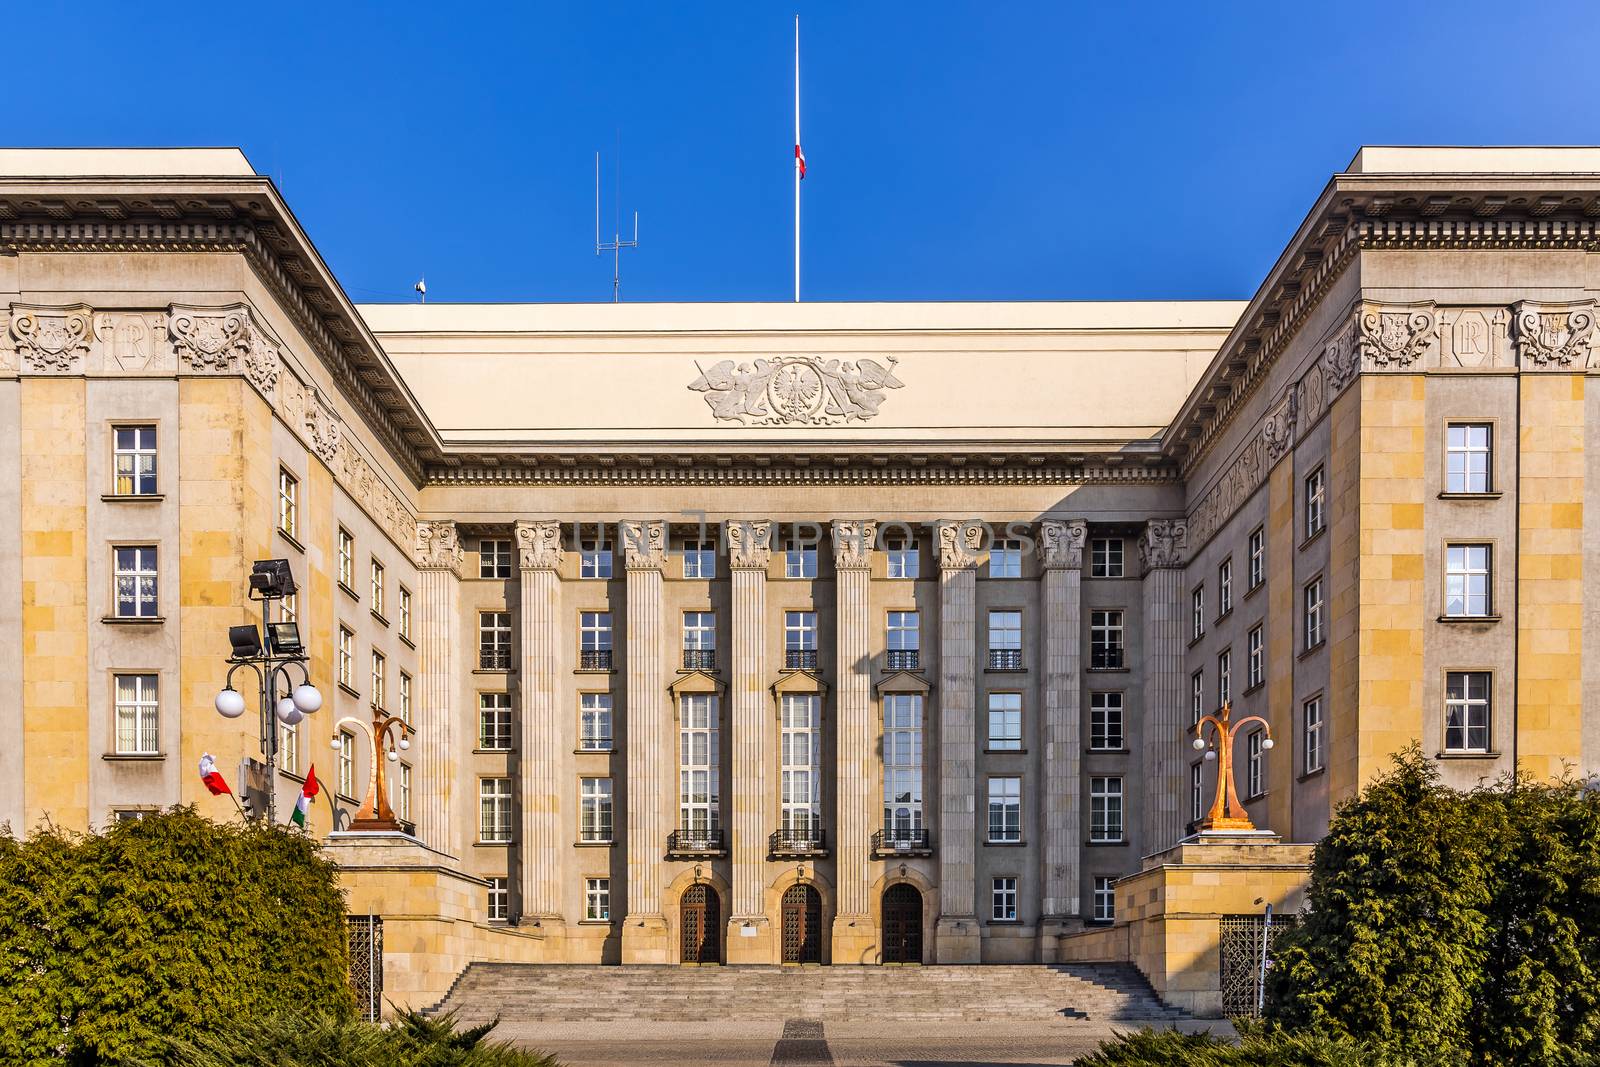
pixel 616 244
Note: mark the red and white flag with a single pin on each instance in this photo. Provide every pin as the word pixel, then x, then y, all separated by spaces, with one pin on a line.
pixel 212 778
pixel 800 161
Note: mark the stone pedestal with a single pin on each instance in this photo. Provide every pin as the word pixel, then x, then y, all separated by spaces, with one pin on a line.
pixel 752 939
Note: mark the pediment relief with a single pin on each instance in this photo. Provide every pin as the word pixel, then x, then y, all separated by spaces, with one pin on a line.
pixel 696 683
pixel 798 682
pixel 901 682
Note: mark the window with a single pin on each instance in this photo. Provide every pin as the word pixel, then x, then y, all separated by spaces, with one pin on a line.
pixel 699 559
pixel 800 763
pixel 405 793
pixel 1004 897
pixel 344 658
pixel 499 899
pixel 135 460
pixel 594 559
pixel 346 766
pixel 1225 587
pixel 1005 559
pixel 494 810
pixel 1468 448
pixel 1105 808
pixel 1105 639
pixel 1005 640
pixel 1255 668
pixel 1258 556
pixel 136 581
pixel 1005 809
pixel 380 670
pixel 494 640
pixel 289 608
pixel 904 559
pixel 594 823
pixel 905 640
pixel 377 588
pixel 1105 721
pixel 1197 613
pixel 1316 497
pixel 1197 696
pixel 138 714
pixel 699 640
pixel 698 794
pixel 405 613
pixel 1466 711
pixel 1224 676
pixel 594 640
pixel 347 559
pixel 1105 899
pixel 597 899
pixel 1197 791
pixel 1466 581
pixel 405 698
pixel 902 763
pixel 289 747
pixel 1005 722
pixel 494 558
pixel 1255 755
pixel 1105 557
pixel 494 721
pixel 800 640
pixel 1313 613
pixel 799 559
pixel 288 503
pixel 594 722
pixel 1311 716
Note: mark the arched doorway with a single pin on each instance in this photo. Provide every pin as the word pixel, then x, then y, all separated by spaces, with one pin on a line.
pixel 802 924
pixel 902 924
pixel 700 922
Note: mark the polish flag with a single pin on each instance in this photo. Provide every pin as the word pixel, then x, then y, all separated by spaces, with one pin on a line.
pixel 800 161
pixel 212 778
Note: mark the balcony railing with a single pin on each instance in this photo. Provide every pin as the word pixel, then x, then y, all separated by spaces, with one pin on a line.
pixel 696 843
pixel 699 659
pixel 494 658
pixel 1005 659
pixel 1106 657
pixel 594 659
pixel 788 844
pixel 904 659
pixel 800 659
pixel 900 841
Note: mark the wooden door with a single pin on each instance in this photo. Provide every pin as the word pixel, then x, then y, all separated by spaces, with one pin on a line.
pixel 802 925
pixel 700 919
pixel 902 924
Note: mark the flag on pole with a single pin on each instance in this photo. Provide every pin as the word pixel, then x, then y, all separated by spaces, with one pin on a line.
pixel 800 160
pixel 212 778
pixel 303 805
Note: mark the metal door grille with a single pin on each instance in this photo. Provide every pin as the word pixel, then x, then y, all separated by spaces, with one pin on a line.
pixel 802 925
pixel 1242 939
pixel 366 964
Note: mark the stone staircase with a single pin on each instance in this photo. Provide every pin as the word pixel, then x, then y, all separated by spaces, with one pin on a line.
pixel 521 993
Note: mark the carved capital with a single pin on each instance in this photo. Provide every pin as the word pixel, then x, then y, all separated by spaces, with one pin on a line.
pixel 1394 336
pixel 1554 336
pixel 539 545
pixel 50 339
pixel 749 544
pixel 644 543
pixel 438 547
pixel 852 543
pixel 1163 543
pixel 1061 544
pixel 959 542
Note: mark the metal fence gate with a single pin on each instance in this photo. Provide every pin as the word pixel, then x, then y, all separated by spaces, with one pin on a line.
pixel 1242 941
pixel 366 964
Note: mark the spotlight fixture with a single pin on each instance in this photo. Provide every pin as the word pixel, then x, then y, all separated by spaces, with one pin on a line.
pixel 246 641
pixel 271 579
pixel 285 638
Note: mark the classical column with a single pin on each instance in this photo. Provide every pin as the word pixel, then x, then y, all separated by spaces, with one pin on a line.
pixel 958 939
pixel 446 816
pixel 749 549
pixel 1166 724
pixel 1060 549
pixel 650 749
pixel 855 745
pixel 541 753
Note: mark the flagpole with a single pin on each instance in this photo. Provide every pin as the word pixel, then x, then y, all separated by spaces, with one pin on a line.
pixel 797 159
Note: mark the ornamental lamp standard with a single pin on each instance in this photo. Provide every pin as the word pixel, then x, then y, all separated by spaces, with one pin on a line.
pixel 270 580
pixel 1226 813
pixel 375 812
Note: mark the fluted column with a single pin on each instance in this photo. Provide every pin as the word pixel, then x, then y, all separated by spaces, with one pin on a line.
pixel 1060 549
pixel 749 550
pixel 1166 724
pixel 958 939
pixel 541 753
pixel 446 816
pixel 855 750
pixel 649 742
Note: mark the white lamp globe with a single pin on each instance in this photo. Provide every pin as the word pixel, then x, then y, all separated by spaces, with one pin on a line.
pixel 1199 743
pixel 288 714
pixel 1266 742
pixel 404 743
pixel 306 698
pixel 1211 755
pixel 337 741
pixel 393 755
pixel 230 703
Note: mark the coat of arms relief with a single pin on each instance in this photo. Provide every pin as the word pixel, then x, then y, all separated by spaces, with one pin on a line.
pixel 802 390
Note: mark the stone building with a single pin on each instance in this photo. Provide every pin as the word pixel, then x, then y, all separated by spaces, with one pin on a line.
pixel 845 633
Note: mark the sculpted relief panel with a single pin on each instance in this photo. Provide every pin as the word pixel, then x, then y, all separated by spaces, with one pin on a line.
pixel 51 339
pixel 796 390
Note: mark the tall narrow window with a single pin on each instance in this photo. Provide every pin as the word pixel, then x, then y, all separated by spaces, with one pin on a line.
pixel 1256 658
pixel 289 608
pixel 346 766
pixel 699 640
pixel 405 698
pixel 1469 448
pixel 699 559
pixel 904 559
pixel 594 559
pixel 596 900
pixel 1224 676
pixel 1105 721
pixel 1197 613
pixel 380 671
pixel 1105 639
pixel 594 823
pixel 1316 498
pixel 289 747
pixel 1105 557
pixel 1313 613
pixel 800 640
pixel 1225 587
pixel 494 640
pixel 347 560
pixel 1005 722
pixel 137 582
pixel 494 810
pixel 594 640
pixel 1003 899
pixel 902 765
pixel 905 641
pixel 1255 756
pixel 1005 559
pixel 799 559
pixel 1005 810
pixel 594 726
pixel 699 799
pixel 405 613
pixel 494 721
pixel 288 503
pixel 405 793
pixel 138 714
pixel 1311 718
pixel 1197 696
pixel 135 460
pixel 1197 791
pixel 494 557
pixel 1466 711
pixel 1005 640
pixel 1105 899
pixel 344 658
pixel 1258 556
pixel 499 908
pixel 1105 808
pixel 377 588
pixel 801 786
pixel 1466 581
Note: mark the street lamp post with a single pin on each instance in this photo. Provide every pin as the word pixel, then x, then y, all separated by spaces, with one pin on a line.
pixel 1226 812
pixel 271 653
pixel 375 812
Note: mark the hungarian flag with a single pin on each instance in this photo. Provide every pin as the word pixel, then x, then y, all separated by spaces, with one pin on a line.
pixel 212 779
pixel 800 161
pixel 303 805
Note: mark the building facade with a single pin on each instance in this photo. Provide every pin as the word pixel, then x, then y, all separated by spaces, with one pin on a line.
pixel 825 633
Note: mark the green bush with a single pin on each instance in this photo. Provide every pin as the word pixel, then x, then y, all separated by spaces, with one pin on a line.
pixel 1256 1047
pixel 170 924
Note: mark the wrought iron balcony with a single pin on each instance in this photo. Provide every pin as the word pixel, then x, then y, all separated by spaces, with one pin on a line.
pixel 800 659
pixel 699 659
pixel 1005 659
pixel 594 659
pixel 903 659
pixel 692 843
pixel 789 844
pixel 494 657
pixel 1106 657
pixel 901 841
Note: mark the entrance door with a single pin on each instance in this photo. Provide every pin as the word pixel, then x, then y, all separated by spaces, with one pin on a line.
pixel 902 924
pixel 701 921
pixel 802 925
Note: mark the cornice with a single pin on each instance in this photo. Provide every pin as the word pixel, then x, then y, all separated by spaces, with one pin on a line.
pixel 623 473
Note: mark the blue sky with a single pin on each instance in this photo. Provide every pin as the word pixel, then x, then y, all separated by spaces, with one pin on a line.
pixel 956 151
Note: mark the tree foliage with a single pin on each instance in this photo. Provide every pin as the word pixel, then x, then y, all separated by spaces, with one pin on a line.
pixel 1255 1048
pixel 171 924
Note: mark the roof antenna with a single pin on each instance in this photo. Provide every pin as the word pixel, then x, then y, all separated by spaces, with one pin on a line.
pixel 616 244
